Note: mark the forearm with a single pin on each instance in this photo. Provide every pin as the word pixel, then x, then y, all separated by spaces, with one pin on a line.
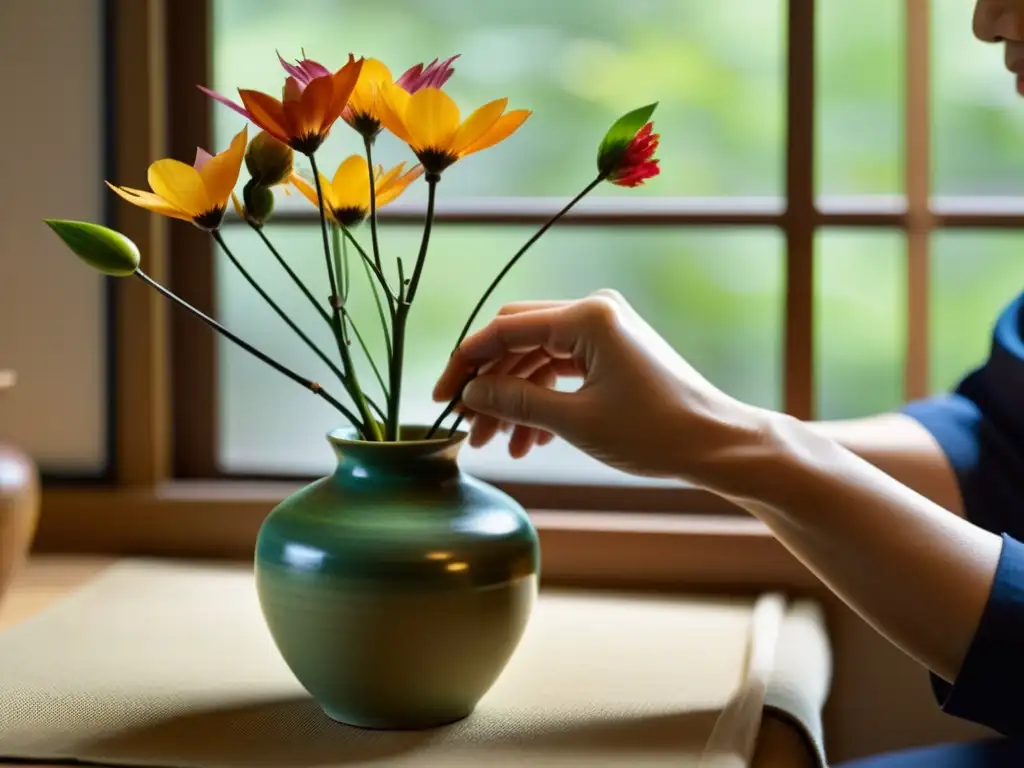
pixel 918 574
pixel 903 449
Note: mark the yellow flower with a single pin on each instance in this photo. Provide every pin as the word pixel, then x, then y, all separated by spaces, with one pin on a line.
pixel 429 122
pixel 347 195
pixel 362 111
pixel 198 193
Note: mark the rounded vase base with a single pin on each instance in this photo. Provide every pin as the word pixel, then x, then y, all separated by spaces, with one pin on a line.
pixel 396 723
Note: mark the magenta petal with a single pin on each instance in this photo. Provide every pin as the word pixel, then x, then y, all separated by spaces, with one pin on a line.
pixel 202 157
pixel 409 78
pixel 292 69
pixel 228 102
pixel 313 69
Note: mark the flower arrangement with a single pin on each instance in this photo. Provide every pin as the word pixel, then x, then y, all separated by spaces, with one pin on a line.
pixel 363 95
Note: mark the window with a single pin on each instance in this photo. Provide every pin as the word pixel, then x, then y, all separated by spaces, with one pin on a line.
pixel 804 246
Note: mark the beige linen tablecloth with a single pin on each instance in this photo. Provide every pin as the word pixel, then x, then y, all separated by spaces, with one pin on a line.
pixel 157 663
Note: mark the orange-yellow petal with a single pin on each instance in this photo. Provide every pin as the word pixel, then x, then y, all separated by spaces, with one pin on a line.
pixel 238 206
pixel 344 81
pixel 351 183
pixel 382 179
pixel 308 191
pixel 395 187
pixel 364 98
pixel 392 106
pixel 180 185
pixel 432 118
pixel 150 202
pixel 477 124
pixel 504 127
pixel 315 108
pixel 267 112
pixel 220 173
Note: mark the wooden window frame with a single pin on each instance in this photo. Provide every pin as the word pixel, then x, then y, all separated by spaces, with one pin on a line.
pixel 166 496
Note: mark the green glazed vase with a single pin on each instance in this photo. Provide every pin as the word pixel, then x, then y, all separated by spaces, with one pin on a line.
pixel 397 588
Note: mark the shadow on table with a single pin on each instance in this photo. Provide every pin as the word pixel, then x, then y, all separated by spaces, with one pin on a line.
pixel 294 733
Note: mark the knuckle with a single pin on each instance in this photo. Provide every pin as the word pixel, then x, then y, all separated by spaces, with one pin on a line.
pixel 611 294
pixel 601 311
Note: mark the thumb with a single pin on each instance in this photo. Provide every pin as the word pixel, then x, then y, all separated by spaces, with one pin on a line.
pixel 510 398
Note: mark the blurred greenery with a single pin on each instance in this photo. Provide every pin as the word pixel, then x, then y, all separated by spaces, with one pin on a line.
pixel 718 70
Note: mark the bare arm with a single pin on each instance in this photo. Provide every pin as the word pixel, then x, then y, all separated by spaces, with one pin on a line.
pixel 903 449
pixel 919 575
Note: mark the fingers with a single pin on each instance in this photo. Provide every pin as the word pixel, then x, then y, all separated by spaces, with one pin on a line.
pixel 524 438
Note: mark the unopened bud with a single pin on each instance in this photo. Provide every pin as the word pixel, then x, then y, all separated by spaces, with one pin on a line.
pixel 268 160
pixel 259 203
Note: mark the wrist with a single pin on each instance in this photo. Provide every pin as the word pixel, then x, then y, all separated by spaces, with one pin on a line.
pixel 763 456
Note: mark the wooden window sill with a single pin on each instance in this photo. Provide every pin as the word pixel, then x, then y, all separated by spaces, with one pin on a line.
pixel 601 549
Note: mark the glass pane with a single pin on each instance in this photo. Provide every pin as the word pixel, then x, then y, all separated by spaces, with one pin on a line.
pixel 974 276
pixel 860 310
pixel 715 295
pixel 715 67
pixel 860 97
pixel 977 122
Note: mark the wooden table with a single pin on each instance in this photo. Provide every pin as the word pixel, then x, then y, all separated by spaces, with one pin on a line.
pixel 45 580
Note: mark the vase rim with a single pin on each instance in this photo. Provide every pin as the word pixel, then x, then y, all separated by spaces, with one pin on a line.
pixel 348 436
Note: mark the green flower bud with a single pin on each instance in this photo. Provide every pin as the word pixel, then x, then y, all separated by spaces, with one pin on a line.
pixel 100 247
pixel 268 160
pixel 259 202
pixel 619 136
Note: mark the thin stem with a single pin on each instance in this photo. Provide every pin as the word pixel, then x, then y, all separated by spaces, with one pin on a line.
pixel 353 382
pixel 336 251
pixel 392 427
pixel 518 255
pixel 323 313
pixel 368 143
pixel 280 312
pixel 312 386
pixel 452 405
pixel 345 269
pixel 401 279
pixel 369 263
pixel 291 273
pixel 373 365
pixel 380 309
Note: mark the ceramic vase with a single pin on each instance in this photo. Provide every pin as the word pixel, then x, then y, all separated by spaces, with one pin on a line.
pixel 397 588
pixel 19 504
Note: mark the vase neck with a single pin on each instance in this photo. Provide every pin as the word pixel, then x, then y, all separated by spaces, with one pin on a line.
pixel 428 461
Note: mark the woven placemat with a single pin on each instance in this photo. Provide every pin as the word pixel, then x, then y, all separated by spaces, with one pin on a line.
pixel 164 664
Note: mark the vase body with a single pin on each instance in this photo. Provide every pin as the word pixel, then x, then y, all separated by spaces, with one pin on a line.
pixel 397 588
pixel 19 511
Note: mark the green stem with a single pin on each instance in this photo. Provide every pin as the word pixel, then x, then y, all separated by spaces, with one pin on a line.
pixel 402 316
pixel 323 313
pixel 452 405
pixel 373 267
pixel 312 386
pixel 280 312
pixel 369 357
pixel 380 309
pixel 518 255
pixel 353 382
pixel 336 251
pixel 368 143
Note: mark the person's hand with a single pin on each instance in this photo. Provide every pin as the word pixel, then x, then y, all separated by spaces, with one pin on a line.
pixel 641 407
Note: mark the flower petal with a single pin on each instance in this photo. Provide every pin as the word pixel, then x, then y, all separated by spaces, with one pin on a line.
pixel 150 202
pixel 311 116
pixel 393 104
pixel 344 82
pixel 432 118
pixel 180 185
pixel 266 112
pixel 351 183
pixel 396 186
pixel 504 127
pixel 220 173
pixel 477 124
pixel 382 179
pixel 226 101
pixel 202 158
pixel 364 97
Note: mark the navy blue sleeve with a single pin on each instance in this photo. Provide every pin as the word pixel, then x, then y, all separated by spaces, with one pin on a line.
pixel 980 428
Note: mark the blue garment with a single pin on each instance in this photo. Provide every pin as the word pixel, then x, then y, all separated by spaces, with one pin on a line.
pixel 980 427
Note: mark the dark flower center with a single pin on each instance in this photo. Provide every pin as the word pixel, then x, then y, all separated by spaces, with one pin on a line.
pixel 211 219
pixel 349 216
pixel 435 160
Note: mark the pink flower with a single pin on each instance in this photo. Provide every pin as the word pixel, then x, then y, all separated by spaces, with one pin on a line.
pixel 433 75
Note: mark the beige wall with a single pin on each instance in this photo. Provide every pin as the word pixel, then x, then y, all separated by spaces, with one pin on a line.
pixel 51 328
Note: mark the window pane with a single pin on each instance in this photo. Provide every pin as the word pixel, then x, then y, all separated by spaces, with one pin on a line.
pixel 859 105
pixel 860 307
pixel 978 124
pixel 715 295
pixel 974 276
pixel 715 67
